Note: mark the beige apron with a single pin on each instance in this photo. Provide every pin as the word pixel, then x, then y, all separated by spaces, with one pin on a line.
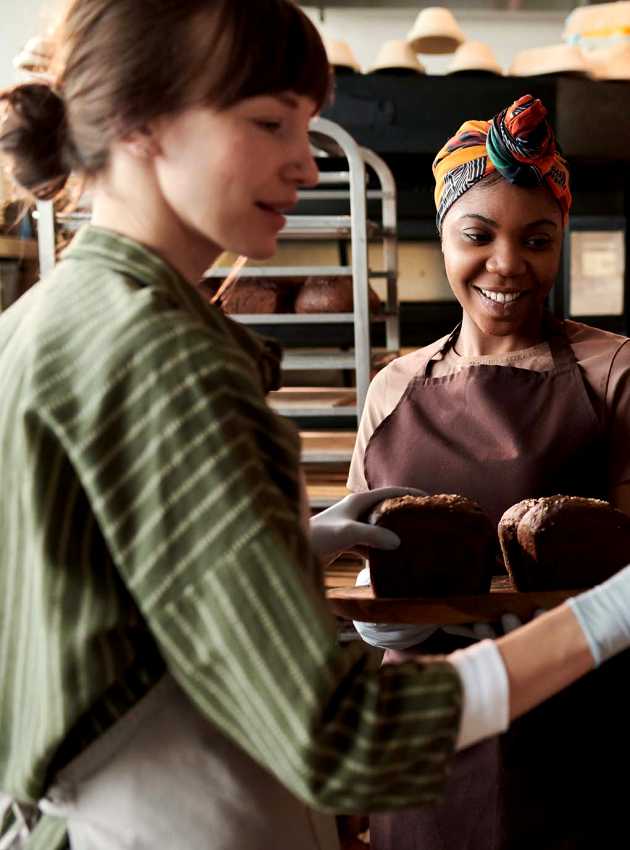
pixel 165 777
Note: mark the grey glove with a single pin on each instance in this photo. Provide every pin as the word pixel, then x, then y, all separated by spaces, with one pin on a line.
pixel 338 529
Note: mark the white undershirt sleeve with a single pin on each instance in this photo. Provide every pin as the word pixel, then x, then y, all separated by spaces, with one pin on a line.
pixel 485 709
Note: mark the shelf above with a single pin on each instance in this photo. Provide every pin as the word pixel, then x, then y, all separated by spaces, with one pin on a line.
pixel 321 358
pixel 299 318
pixel 312 412
pixel 323 447
pixel 308 402
pixel 323 227
pixel 12 248
pixel 299 359
pixel 325 495
pixel 282 271
pixel 292 318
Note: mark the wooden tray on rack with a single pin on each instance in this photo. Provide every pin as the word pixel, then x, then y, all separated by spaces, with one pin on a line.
pixel 359 603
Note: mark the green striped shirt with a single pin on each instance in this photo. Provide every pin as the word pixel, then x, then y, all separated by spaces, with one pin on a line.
pixel 149 520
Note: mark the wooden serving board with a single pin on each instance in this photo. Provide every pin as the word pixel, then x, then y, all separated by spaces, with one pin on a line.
pixel 359 603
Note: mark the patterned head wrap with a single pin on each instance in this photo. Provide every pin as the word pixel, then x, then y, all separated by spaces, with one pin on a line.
pixel 518 143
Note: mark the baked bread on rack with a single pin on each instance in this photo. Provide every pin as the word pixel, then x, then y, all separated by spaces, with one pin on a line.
pixel 330 295
pixel 257 295
pixel 563 542
pixel 447 547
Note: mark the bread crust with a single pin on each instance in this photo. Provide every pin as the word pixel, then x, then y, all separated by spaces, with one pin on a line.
pixel 330 295
pixel 572 542
pixel 447 547
pixel 563 542
pixel 515 559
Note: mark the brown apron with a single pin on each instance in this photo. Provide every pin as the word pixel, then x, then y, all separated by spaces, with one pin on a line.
pixel 499 434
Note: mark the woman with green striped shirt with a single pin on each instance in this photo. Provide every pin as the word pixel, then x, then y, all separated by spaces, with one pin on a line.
pixel 170 671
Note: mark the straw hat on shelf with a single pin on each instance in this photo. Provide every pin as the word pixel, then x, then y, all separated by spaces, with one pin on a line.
pixel 435 31
pixel 610 63
pixel 396 55
pixel 33 61
pixel 600 22
pixel 553 59
pixel 474 57
pixel 341 56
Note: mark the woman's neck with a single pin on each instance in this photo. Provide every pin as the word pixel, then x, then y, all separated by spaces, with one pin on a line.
pixel 128 201
pixel 473 341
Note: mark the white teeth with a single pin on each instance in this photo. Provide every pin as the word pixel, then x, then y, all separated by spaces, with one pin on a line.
pixel 501 297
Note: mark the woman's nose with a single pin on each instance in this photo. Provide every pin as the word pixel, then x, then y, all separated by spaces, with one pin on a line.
pixel 506 260
pixel 311 171
pixel 303 169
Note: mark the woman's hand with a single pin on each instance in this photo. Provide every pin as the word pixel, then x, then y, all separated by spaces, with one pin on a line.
pixel 339 528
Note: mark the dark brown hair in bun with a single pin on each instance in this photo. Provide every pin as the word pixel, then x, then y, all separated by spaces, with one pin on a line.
pixel 119 64
pixel 33 134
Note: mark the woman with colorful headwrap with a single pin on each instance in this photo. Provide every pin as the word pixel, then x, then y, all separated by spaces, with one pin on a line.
pixel 512 404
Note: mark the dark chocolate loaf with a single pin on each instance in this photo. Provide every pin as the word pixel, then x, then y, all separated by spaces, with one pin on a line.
pixel 569 542
pixel 447 547
pixel 254 295
pixel 330 295
pixel 516 560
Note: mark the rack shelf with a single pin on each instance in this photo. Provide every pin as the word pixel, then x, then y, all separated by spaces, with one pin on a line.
pixel 282 271
pixel 325 447
pixel 305 402
pixel 301 359
pixel 17 249
pixel 301 318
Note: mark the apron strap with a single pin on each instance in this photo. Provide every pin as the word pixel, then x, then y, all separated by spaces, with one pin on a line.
pixel 559 346
pixel 448 343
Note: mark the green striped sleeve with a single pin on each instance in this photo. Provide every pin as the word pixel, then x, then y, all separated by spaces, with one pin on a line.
pixel 150 517
pixel 202 524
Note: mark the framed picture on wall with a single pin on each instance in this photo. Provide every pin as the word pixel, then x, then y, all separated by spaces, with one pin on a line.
pixel 595 275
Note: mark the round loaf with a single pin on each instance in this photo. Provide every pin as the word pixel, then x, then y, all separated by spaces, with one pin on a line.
pixel 515 559
pixel 570 542
pixel 253 295
pixel 330 295
pixel 447 547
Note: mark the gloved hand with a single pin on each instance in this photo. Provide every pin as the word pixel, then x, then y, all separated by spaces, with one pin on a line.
pixel 338 529
pixel 604 615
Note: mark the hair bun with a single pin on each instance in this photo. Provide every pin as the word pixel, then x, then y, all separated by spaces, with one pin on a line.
pixel 520 143
pixel 33 135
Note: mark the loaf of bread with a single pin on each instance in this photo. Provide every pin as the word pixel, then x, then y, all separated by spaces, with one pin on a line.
pixel 254 295
pixel 516 561
pixel 330 295
pixel 447 547
pixel 563 542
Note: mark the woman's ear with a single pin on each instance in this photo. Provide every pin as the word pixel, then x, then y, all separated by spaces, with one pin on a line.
pixel 142 143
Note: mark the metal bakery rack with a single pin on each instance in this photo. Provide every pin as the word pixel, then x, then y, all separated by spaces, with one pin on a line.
pixel 326 454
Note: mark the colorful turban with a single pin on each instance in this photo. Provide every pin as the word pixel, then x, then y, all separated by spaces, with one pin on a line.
pixel 518 143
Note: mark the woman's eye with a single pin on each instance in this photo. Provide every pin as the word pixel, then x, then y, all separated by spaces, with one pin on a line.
pixel 477 237
pixel 538 242
pixel 268 125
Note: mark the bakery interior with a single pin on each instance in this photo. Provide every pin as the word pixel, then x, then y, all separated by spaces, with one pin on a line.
pixel 358 279
pixel 398 98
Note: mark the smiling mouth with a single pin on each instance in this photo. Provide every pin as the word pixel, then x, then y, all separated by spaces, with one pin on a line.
pixel 279 209
pixel 501 297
